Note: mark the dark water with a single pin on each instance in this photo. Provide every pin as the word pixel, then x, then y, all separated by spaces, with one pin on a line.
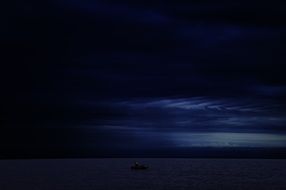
pixel 97 174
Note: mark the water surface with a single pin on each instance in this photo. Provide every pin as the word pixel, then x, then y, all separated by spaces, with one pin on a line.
pixel 164 174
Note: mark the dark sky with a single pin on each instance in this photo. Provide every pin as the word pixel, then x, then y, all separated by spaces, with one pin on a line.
pixel 100 78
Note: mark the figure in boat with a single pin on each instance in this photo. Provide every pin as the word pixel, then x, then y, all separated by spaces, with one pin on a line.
pixel 138 166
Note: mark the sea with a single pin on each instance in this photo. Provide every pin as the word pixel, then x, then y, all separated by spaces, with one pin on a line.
pixel 163 174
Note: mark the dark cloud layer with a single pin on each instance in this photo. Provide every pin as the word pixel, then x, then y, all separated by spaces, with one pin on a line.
pixel 102 75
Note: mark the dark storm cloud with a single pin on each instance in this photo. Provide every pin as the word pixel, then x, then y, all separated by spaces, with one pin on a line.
pixel 202 113
pixel 68 66
pixel 213 50
pixel 192 122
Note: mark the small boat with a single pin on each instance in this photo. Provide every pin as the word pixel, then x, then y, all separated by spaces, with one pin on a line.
pixel 139 167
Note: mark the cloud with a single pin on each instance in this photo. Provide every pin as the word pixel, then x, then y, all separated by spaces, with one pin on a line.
pixel 201 103
pixel 222 139
pixel 198 114
pixel 139 69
